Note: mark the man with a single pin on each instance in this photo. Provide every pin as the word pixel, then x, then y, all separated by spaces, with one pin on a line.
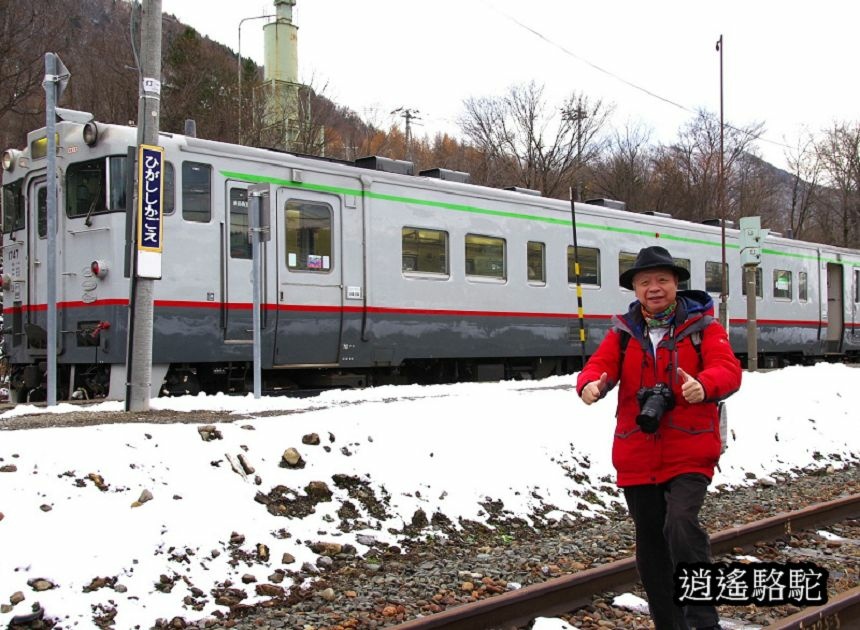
pixel 667 440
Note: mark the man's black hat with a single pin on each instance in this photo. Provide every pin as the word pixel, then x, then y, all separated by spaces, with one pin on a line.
pixel 654 257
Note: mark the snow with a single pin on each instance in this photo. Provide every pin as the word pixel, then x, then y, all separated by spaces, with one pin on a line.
pixel 441 448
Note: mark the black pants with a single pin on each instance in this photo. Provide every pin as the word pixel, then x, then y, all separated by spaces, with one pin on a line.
pixel 668 532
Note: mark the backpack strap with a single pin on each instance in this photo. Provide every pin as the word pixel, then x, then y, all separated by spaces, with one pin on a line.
pixel 624 339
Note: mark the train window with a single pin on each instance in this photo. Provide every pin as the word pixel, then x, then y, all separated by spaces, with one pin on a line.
pixel 625 261
pixel 424 251
pixel 536 262
pixel 758 282
pixel 683 285
pixel 802 286
pixel 857 285
pixel 85 188
pixel 782 284
pixel 42 212
pixel 589 265
pixel 240 244
pixel 713 279
pixel 13 207
pixel 169 188
pixel 309 236
pixel 196 192
pixel 485 256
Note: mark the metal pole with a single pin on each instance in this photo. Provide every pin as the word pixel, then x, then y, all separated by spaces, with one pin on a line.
pixel 752 332
pixel 724 310
pixel 580 310
pixel 51 124
pixel 140 362
pixel 254 210
pixel 239 54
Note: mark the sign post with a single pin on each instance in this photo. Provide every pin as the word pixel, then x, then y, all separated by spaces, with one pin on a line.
pixel 258 222
pixel 751 239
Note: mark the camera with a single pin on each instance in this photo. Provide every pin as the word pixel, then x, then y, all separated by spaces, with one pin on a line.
pixel 653 403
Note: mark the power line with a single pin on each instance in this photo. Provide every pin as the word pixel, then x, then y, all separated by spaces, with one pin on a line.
pixel 621 79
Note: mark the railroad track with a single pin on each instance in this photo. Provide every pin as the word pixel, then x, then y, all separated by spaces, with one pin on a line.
pixel 516 608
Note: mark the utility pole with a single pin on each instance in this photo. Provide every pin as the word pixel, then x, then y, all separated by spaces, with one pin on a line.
pixel 408 115
pixel 721 202
pixel 577 115
pixel 139 359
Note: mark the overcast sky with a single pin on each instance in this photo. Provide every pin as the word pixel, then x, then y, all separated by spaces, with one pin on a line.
pixel 787 63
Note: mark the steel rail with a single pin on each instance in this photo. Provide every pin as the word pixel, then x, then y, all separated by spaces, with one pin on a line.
pixel 564 594
pixel 843 611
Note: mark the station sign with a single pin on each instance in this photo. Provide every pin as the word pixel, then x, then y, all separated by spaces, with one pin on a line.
pixel 150 211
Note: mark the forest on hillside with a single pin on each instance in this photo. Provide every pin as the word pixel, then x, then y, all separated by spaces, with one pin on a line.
pixel 513 138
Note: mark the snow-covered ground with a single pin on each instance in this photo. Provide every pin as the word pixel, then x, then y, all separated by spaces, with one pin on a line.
pixel 75 508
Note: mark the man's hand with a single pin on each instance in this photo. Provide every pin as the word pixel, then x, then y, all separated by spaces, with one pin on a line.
pixel 594 390
pixel 691 388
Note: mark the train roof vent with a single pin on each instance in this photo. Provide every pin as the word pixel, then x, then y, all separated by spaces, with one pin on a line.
pixel 377 163
pixel 654 213
pixel 446 174
pixel 525 191
pixel 716 222
pixel 607 203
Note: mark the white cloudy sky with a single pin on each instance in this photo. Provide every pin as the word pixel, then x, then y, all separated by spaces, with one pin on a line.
pixel 787 63
pixel 423 445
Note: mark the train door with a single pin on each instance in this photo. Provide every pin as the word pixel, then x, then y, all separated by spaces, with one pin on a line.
pixel 237 300
pixel 37 237
pixel 835 309
pixel 307 229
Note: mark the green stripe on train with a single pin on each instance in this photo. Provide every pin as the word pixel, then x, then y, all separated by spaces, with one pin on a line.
pixel 286 183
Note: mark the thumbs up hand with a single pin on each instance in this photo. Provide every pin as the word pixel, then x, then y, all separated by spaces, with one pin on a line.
pixel 594 390
pixel 691 389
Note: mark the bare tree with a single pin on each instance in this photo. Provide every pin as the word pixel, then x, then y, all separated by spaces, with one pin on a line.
pixel 625 172
pixel 839 152
pixel 527 144
pixel 804 163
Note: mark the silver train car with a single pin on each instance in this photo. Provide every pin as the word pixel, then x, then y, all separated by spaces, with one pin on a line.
pixel 372 275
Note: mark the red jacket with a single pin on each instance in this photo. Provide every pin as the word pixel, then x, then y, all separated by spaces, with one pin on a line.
pixel 688 437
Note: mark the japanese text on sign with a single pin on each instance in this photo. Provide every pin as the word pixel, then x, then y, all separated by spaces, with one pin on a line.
pixel 150 198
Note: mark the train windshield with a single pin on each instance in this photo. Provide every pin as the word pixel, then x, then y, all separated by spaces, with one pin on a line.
pixel 13 207
pixel 95 186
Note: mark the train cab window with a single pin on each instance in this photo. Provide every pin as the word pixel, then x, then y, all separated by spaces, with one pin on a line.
pixel 13 207
pixel 42 212
pixel 85 188
pixel 169 188
pixel 309 236
pixel 536 262
pixel 758 282
pixel 589 265
pixel 713 279
pixel 485 256
pixel 802 286
pixel 196 192
pixel 683 285
pixel 424 251
pixel 782 284
pixel 240 244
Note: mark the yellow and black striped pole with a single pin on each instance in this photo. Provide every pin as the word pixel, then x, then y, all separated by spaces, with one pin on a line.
pixel 576 276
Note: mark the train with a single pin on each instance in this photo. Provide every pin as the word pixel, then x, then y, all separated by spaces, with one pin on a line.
pixel 372 274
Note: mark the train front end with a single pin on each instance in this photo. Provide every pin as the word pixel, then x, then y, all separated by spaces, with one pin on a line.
pixel 91 289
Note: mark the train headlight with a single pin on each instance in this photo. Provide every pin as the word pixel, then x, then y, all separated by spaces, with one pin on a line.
pixel 9 159
pixel 91 133
pixel 99 268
